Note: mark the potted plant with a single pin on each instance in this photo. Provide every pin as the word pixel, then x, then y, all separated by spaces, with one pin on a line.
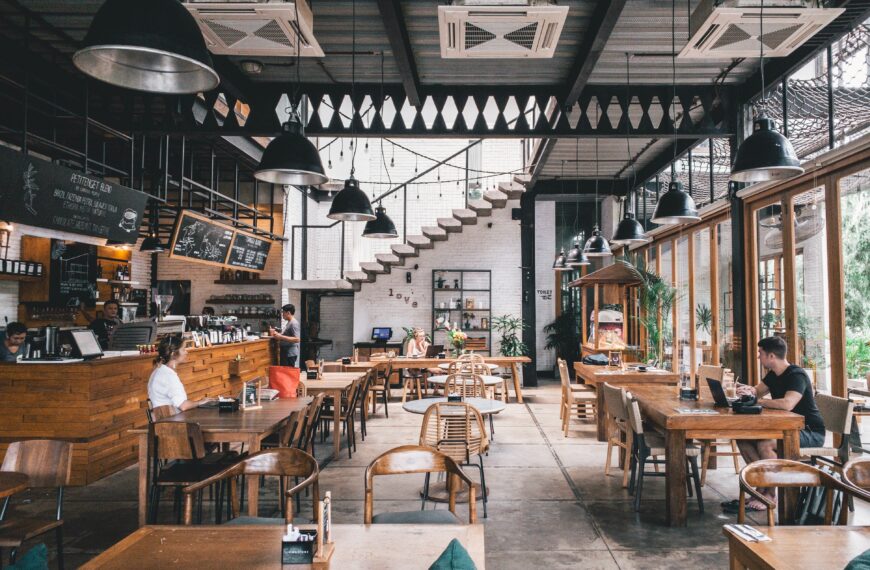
pixel 703 318
pixel 655 296
pixel 509 328
pixel 563 336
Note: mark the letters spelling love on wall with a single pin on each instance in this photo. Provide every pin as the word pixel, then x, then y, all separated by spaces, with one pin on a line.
pixel 399 297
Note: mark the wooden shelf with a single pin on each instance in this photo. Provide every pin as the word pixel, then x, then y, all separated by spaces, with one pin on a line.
pixel 11 277
pixel 219 302
pixel 248 282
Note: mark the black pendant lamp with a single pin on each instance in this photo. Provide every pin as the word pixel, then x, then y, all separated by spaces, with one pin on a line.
pixel 152 241
pixel 351 204
pixel 291 158
pixel 576 257
pixel 629 231
pixel 766 154
pixel 675 207
pixel 596 245
pixel 559 263
pixel 381 227
pixel 147 45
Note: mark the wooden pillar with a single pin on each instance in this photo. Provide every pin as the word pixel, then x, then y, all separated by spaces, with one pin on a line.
pixel 584 323
pixel 625 317
pixel 675 327
pixel 714 295
pixel 596 312
pixel 836 287
pixel 788 280
pixel 690 278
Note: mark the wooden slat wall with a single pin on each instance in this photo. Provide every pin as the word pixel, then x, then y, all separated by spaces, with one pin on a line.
pixel 95 404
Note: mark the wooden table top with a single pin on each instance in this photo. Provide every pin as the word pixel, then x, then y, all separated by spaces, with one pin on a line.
pixel 660 407
pixel 211 420
pixel 483 405
pixel 599 374
pixel 803 546
pixel 406 362
pixel 12 482
pixel 487 379
pixel 357 546
pixel 333 381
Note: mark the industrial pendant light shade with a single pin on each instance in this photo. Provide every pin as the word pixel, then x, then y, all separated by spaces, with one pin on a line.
pixel 381 227
pixel 351 204
pixel 597 246
pixel 765 155
pixel 576 257
pixel 559 263
pixel 152 243
pixel 629 231
pixel 291 158
pixel 147 45
pixel 675 207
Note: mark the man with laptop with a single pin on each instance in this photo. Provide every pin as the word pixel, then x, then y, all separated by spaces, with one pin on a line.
pixel 790 389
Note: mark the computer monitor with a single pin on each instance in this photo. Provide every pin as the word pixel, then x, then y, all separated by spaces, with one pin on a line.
pixel 86 344
pixel 382 334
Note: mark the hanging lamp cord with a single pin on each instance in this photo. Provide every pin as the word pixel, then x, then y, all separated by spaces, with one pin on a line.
pixel 763 110
pixel 353 87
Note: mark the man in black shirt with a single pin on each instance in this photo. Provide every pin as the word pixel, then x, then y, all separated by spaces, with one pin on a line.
pixel 104 326
pixel 790 389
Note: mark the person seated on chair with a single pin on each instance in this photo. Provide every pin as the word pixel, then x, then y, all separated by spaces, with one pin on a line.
pixel 790 389
pixel 164 386
pixel 417 345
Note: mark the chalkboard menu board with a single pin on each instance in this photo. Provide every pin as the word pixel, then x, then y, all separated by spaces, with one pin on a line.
pixel 198 238
pixel 73 274
pixel 47 195
pixel 249 252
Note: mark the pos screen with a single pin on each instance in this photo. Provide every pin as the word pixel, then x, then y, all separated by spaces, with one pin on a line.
pixel 382 333
pixel 87 344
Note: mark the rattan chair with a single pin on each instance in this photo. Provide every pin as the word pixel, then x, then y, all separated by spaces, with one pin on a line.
pixel 465 385
pixel 574 404
pixel 456 429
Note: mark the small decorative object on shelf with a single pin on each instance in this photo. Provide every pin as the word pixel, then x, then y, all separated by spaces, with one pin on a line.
pixel 258 299
pixel 20 268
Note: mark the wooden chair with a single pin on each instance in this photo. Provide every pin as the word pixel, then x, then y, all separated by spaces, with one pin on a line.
pixel 281 462
pixel 457 429
pixel 311 365
pixel 381 385
pixel 617 413
pixel 363 399
pixel 348 416
pixel 179 460
pixel 47 464
pixel 710 448
pixel 837 415
pixel 332 367
pixel 466 385
pixel 305 433
pixel 575 404
pixel 418 459
pixel 651 445
pixel 785 474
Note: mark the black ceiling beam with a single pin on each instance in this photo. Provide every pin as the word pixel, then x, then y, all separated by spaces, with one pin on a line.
pixel 664 159
pixel 400 42
pixel 566 187
pixel 600 27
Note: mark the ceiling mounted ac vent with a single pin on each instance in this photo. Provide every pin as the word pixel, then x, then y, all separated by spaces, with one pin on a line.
pixel 510 30
pixel 732 28
pixel 262 29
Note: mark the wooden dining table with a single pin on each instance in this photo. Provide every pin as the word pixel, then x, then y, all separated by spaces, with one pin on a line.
pixel 357 546
pixel 817 547
pixel 333 384
pixel 12 482
pixel 594 376
pixel 661 409
pixel 248 427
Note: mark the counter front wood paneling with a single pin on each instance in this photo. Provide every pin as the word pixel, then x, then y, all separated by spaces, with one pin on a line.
pixel 95 404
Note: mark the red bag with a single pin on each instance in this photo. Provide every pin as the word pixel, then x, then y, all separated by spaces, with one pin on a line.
pixel 285 379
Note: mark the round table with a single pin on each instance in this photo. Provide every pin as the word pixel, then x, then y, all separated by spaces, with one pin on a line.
pixel 12 482
pixel 446 366
pixel 441 379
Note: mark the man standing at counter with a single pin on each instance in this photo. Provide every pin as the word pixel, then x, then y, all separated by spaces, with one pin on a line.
pixel 289 338
pixel 12 342
pixel 104 326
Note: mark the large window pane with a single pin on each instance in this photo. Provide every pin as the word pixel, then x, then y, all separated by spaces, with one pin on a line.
pixel 703 306
pixel 855 211
pixel 851 81
pixel 729 348
pixel 811 281
pixel 771 290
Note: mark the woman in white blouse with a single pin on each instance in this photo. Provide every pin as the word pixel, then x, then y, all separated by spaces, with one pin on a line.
pixel 164 386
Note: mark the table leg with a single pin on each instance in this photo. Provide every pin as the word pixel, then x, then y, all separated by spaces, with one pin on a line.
pixel 601 418
pixel 253 480
pixel 675 450
pixel 143 478
pixel 336 421
pixel 788 448
pixel 515 370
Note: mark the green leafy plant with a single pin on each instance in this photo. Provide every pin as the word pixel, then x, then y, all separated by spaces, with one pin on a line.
pixel 857 357
pixel 703 318
pixel 563 336
pixel 655 297
pixel 510 328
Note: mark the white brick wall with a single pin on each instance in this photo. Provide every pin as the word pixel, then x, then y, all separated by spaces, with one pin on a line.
pixel 545 280
pixel 477 247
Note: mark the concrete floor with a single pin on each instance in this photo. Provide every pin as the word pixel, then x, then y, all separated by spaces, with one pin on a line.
pixel 550 503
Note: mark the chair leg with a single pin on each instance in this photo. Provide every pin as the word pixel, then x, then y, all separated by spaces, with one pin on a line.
pixel 638 492
pixel 386 398
pixel 693 461
pixel 736 457
pixel 608 456
pixel 491 428
pixel 688 479
pixel 482 484
pixel 629 439
pixel 59 535
pixel 425 492
pixel 155 501
pixel 705 460
pixel 404 391
pixel 632 481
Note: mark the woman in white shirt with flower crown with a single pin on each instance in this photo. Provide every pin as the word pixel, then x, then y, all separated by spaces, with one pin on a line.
pixel 164 386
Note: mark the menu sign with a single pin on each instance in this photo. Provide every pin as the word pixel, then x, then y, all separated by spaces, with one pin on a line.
pixel 201 239
pixel 47 195
pixel 73 274
pixel 249 252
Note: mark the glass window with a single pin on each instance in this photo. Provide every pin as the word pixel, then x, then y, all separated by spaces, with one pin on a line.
pixel 851 83
pixel 808 108
pixel 771 289
pixel 811 286
pixel 703 310
pixel 855 211
pixel 729 347
pixel 682 283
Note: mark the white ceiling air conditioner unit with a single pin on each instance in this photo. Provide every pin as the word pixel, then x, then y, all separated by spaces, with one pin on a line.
pixel 500 30
pixel 723 29
pixel 256 28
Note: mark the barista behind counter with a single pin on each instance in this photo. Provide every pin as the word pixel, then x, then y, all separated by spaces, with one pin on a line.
pixel 12 342
pixel 104 326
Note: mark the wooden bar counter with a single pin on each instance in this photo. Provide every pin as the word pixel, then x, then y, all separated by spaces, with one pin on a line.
pixel 95 404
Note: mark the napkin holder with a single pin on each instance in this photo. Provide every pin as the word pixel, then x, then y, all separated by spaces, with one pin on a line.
pixel 228 406
pixel 454 397
pixel 311 374
pixel 300 551
pixel 345 360
pixel 688 394
pixel 442 356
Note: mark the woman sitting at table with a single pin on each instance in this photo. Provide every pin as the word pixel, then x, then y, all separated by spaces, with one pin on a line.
pixel 418 345
pixel 164 386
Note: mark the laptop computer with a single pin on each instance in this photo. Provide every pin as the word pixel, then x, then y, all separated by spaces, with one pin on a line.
pixel 434 350
pixel 719 393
